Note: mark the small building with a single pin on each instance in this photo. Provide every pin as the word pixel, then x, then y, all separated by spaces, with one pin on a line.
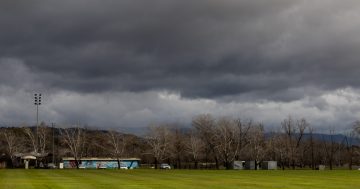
pixel 320 167
pixel 30 160
pixel 27 159
pixel 269 165
pixel 239 165
pixel 251 165
pixel 3 161
pixel 101 163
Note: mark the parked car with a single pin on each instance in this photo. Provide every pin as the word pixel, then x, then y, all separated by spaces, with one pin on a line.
pixel 51 166
pixel 165 166
pixel 123 167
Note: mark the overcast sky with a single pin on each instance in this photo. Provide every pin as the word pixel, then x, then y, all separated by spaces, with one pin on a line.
pixel 129 63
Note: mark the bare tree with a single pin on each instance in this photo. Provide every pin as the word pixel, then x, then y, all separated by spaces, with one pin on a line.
pixel 277 142
pixel 257 143
pixel 177 145
pixel 349 144
pixel 205 127
pixel 43 134
pixel 159 141
pixel 243 128
pixel 97 144
pixel 294 132
pixel 352 139
pixel 74 139
pixel 330 147
pixel 356 130
pixel 31 135
pixel 118 142
pixel 195 147
pixel 12 141
pixel 227 140
pixel 312 148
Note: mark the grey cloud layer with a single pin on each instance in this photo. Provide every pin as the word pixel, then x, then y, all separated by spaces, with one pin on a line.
pixel 210 49
pixel 133 62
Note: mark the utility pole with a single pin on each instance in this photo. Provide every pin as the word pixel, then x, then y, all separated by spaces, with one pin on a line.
pixel 53 143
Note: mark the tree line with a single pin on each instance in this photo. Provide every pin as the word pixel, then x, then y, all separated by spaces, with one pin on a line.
pixel 210 143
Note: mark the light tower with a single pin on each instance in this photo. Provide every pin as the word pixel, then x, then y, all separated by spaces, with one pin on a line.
pixel 37 103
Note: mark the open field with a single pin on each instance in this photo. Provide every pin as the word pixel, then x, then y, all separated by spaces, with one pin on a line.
pixel 187 179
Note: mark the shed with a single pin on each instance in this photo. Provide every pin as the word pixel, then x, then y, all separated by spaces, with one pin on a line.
pixel 3 161
pixel 27 159
pixel 250 165
pixel 239 165
pixel 269 165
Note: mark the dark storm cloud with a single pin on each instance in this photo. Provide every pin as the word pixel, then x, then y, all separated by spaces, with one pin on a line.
pixel 209 49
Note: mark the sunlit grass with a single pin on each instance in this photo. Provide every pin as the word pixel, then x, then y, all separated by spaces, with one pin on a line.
pixel 187 179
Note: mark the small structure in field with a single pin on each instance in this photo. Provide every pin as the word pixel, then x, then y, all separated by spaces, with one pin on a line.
pixel 27 159
pixel 269 165
pixel 251 165
pixel 321 167
pixel 3 161
pixel 101 163
pixel 239 165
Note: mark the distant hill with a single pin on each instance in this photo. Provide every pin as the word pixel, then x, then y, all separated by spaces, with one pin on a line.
pixel 338 138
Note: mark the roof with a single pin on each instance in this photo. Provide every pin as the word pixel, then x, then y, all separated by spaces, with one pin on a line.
pixel 28 157
pixel 35 154
pixel 99 159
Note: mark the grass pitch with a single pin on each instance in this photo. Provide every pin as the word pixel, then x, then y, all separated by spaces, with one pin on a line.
pixel 184 179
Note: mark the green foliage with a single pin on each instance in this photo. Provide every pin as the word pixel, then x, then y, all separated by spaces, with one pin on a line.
pixel 187 179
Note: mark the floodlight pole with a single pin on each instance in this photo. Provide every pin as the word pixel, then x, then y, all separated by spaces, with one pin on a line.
pixel 37 125
pixel 37 103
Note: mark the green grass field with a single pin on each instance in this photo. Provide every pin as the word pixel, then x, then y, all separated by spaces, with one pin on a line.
pixel 187 179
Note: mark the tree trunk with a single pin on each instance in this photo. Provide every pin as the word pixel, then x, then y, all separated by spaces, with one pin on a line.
pixel 216 162
pixel 350 161
pixel 227 165
pixel 118 161
pixel 206 160
pixel 312 158
pixel 350 158
pixel 156 163
pixel 179 162
pixel 77 163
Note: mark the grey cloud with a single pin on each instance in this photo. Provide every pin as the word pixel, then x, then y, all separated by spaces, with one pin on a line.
pixel 230 51
pixel 137 46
